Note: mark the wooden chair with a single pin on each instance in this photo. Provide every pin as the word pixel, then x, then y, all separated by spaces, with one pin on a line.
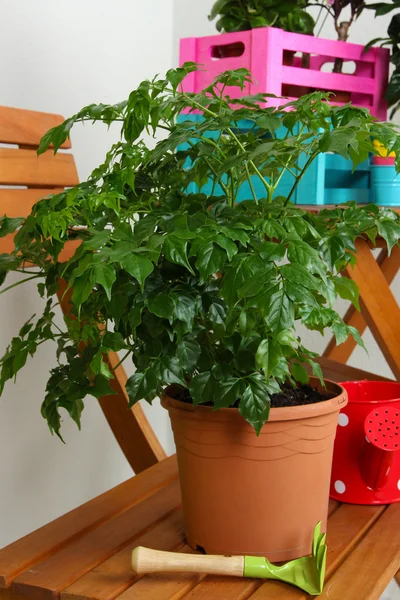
pixel 85 554
pixel 41 176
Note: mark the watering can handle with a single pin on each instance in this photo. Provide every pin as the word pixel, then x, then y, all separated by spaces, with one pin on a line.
pixel 145 560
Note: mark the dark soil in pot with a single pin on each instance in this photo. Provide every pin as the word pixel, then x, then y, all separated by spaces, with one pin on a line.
pixel 289 396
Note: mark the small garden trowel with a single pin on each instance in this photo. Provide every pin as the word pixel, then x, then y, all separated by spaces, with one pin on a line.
pixel 306 573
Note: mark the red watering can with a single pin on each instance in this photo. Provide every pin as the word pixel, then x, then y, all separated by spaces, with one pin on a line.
pixel 366 459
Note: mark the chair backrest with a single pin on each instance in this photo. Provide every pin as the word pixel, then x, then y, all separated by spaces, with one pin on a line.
pixel 25 178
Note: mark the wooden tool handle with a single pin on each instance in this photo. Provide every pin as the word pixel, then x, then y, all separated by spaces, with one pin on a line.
pixel 145 560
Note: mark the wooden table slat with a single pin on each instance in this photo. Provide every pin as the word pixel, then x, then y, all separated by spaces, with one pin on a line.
pixel 162 586
pixel 37 546
pixel 115 575
pixel 372 564
pixel 50 577
pixel 346 526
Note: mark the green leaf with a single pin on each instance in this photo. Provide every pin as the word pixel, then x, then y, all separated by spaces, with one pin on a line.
pixel 267 356
pixel 286 338
pixel 99 367
pixel 9 225
pixel 254 284
pixel 300 295
pixel 347 289
pixel 234 277
pixel 176 251
pixel 185 309
pixel 101 387
pixel 210 259
pixel 227 244
pixel 113 340
pixel 202 388
pixel 82 289
pixel 227 392
pixel 105 275
pixel 138 266
pixel 303 254
pixel 279 313
pixel 270 251
pixel 299 373
pixel 340 332
pixel 356 335
pixel 172 371
pixel 187 353
pixel 390 232
pixel 218 312
pixel 299 275
pixel 255 402
pixel 237 235
pixel 162 305
pixel 317 371
pixel 141 386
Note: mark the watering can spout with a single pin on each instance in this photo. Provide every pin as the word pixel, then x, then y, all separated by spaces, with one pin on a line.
pixel 382 441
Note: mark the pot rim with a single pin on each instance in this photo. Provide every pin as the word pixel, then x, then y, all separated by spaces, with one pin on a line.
pixel 285 413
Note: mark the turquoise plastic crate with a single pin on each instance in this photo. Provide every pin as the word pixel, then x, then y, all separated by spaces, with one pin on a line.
pixel 328 180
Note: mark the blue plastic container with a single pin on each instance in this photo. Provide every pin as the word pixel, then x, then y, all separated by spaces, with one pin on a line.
pixel 329 179
pixel 385 185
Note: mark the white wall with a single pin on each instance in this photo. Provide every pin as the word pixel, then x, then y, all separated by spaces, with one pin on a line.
pixel 58 57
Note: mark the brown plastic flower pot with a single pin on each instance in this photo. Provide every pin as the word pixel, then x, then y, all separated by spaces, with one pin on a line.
pixel 244 494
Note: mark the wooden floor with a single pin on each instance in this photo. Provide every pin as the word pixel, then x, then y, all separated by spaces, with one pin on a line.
pixel 85 555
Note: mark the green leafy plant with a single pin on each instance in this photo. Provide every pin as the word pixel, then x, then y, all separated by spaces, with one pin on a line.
pixel 198 291
pixel 393 41
pixel 240 15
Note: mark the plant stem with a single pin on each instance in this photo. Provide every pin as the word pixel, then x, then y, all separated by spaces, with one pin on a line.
pixel 299 178
pixel 233 136
pixel 251 183
pixel 121 361
pixel 19 283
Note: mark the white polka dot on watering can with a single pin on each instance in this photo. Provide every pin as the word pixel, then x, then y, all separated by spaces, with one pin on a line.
pixel 340 487
pixel 343 420
pixel 398 484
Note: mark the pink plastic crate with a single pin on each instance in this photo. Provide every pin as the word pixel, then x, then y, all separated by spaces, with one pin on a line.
pixel 264 51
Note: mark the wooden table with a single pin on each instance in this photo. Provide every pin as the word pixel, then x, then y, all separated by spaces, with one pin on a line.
pixel 85 555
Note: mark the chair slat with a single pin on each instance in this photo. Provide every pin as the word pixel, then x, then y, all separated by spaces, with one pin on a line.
pixel 115 575
pixel 50 577
pixel 37 546
pixel 26 127
pixel 25 167
pixel 18 203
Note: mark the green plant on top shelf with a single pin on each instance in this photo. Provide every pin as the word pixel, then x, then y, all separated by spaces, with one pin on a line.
pixel 393 41
pixel 195 290
pixel 240 15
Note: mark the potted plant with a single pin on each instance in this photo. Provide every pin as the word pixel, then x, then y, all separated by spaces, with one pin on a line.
pixel 241 15
pixel 203 295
